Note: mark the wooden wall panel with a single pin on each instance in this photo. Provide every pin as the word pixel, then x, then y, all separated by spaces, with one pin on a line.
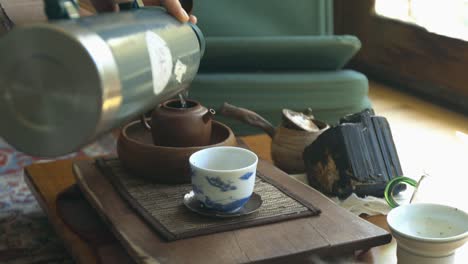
pixel 406 55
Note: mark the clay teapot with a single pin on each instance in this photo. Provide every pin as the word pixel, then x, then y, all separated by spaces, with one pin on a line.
pixel 296 131
pixel 177 125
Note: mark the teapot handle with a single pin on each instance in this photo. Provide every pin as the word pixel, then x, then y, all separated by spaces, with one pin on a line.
pixel 247 116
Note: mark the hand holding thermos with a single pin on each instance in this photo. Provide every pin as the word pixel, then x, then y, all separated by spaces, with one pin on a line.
pixel 179 9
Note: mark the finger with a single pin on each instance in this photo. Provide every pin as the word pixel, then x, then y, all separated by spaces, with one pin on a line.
pixel 175 8
pixel 193 19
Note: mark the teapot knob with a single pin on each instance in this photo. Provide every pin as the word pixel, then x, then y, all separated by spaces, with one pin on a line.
pixel 209 115
pixel 145 123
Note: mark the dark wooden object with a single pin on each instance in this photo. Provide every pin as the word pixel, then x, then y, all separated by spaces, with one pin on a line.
pixel 358 155
pixel 46 181
pixel 405 54
pixel 335 230
pixel 79 216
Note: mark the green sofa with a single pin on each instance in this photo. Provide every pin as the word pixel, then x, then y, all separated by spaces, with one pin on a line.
pixel 266 55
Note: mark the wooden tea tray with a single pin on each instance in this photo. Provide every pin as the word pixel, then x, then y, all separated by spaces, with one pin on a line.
pixel 335 231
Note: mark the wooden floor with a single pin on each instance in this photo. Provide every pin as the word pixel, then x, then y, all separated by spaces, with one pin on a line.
pixel 429 139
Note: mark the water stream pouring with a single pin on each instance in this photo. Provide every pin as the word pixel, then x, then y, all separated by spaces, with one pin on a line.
pixel 68 81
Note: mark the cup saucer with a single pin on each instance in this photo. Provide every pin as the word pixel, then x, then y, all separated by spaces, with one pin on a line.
pixel 196 206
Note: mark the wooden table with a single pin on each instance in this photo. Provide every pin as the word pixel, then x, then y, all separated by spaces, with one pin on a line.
pixel 49 179
pixel 428 138
pixel 382 254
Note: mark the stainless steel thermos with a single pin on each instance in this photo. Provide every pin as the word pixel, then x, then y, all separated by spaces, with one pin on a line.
pixel 64 83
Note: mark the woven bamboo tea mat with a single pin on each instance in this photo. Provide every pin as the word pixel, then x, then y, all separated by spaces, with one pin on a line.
pixel 162 205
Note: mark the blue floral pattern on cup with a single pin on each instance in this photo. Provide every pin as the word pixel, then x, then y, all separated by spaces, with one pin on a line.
pixel 218 183
pixel 246 176
pixel 232 204
pixel 225 207
pixel 196 189
pixel 223 178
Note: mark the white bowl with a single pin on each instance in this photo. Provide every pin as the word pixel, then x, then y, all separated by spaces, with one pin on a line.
pixel 428 233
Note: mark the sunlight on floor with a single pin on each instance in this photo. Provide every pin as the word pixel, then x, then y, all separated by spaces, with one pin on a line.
pixel 449 18
pixel 429 140
pixel 462 136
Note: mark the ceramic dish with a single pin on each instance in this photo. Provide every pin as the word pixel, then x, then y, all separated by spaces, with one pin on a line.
pixel 254 203
pixel 161 164
pixel 428 233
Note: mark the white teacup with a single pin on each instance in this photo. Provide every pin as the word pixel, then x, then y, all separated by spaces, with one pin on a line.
pixel 427 233
pixel 223 178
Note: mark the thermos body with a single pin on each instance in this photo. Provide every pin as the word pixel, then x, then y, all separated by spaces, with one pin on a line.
pixel 62 84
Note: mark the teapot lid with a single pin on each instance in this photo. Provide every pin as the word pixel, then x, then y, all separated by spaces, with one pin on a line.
pixel 303 121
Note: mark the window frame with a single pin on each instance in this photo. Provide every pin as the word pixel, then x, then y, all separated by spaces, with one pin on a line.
pixel 406 55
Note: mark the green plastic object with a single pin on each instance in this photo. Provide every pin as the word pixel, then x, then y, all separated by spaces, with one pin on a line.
pixel 388 193
pixel 287 53
pixel 330 94
pixel 264 17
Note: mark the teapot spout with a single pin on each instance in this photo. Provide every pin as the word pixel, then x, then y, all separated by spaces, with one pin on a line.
pixel 248 117
pixel 209 115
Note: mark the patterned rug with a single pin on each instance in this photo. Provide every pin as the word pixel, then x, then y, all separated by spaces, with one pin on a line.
pixel 25 234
